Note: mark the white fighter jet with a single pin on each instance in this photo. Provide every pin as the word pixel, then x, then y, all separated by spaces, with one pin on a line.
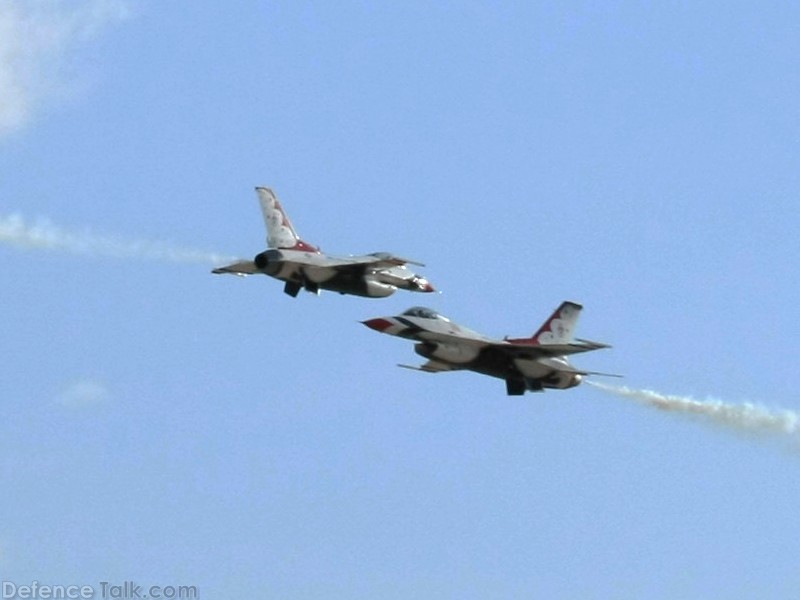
pixel 303 266
pixel 533 363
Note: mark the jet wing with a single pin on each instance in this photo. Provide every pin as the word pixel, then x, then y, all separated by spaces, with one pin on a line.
pixel 379 260
pixel 514 349
pixel 368 261
pixel 546 350
pixel 241 268
pixel 248 267
pixel 394 261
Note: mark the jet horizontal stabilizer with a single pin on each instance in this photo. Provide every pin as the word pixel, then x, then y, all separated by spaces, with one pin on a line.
pixel 429 367
pixel 241 268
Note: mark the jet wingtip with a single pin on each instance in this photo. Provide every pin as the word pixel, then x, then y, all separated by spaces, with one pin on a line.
pixel 594 345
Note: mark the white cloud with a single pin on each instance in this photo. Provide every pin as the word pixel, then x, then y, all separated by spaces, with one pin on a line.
pixel 37 38
pixel 84 393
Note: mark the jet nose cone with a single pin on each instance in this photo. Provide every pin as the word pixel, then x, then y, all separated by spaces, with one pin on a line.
pixel 425 286
pixel 379 324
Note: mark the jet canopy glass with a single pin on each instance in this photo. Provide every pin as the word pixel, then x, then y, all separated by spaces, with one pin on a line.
pixel 424 313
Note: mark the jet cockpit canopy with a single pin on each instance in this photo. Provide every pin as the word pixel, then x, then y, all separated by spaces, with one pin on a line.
pixel 424 313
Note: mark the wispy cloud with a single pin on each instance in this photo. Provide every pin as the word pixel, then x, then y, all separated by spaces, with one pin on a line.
pixel 37 38
pixel 84 393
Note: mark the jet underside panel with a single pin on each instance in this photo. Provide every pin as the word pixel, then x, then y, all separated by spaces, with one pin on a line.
pixel 495 362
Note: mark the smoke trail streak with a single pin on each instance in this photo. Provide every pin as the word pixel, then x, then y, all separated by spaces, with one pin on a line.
pixel 745 417
pixel 43 235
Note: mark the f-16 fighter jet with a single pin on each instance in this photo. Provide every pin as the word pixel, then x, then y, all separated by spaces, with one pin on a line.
pixel 533 363
pixel 303 266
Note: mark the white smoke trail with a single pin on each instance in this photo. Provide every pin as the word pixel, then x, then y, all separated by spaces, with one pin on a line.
pixel 744 417
pixel 42 235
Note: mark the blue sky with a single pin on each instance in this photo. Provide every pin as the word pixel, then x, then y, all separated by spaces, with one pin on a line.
pixel 165 425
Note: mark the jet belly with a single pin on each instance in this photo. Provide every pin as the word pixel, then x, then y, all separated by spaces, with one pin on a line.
pixel 535 369
pixel 318 274
pixel 343 275
pixel 313 271
pixel 448 354
pixel 555 372
pixel 306 266
pixel 367 286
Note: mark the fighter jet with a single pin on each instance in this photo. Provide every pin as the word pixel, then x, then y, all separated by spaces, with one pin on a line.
pixel 303 266
pixel 533 363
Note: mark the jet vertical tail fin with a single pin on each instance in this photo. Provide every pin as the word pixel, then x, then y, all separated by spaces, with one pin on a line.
pixel 280 231
pixel 560 327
